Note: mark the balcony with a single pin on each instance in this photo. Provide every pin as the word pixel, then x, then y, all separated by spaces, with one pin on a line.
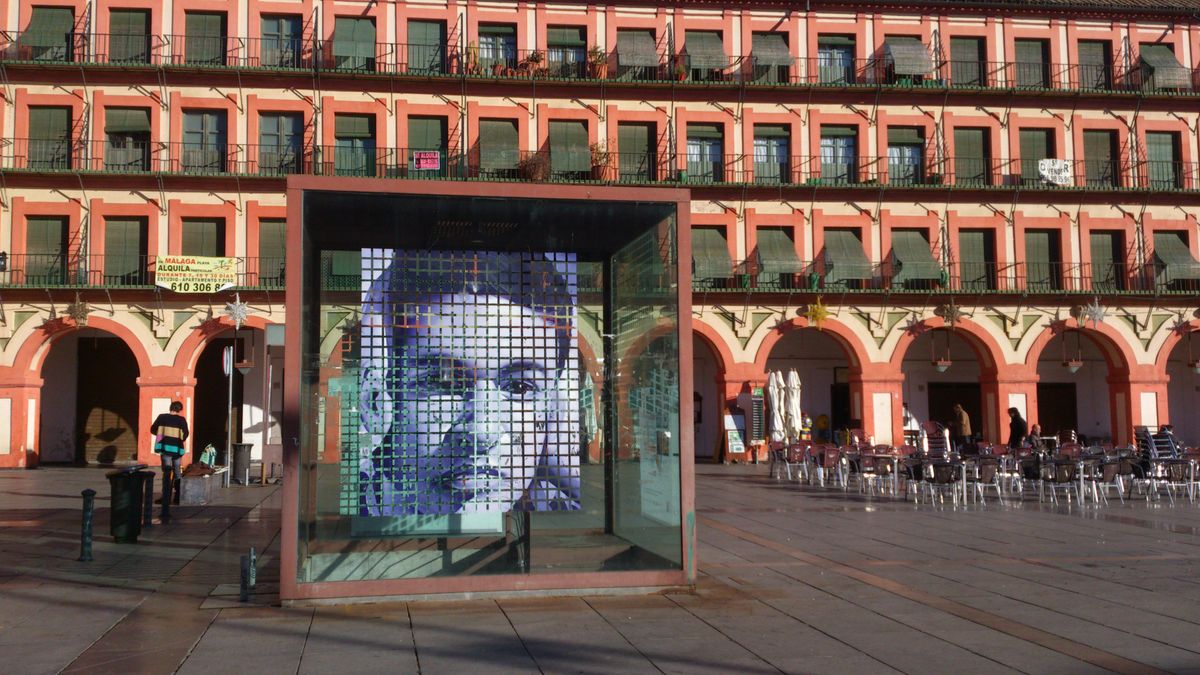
pixel 48 270
pixel 1053 278
pixel 574 64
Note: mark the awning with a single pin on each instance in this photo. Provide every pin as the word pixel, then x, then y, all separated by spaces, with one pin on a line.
pixel 912 258
pixel 905 136
pixel 710 254
pixel 48 27
pixel 636 48
pixel 776 255
pixel 566 36
pixel 1168 73
pixel 709 131
pixel 1174 257
pixel 353 126
pixel 770 49
pixel 126 121
pixel 844 257
pixel 705 50
pixel 908 56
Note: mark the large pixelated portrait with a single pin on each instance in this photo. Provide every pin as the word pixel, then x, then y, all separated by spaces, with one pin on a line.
pixel 468 396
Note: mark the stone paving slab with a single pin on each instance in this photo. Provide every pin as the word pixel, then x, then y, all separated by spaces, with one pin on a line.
pixel 793 579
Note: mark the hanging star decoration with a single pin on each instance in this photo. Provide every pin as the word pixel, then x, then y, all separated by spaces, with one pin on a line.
pixel 237 311
pixel 816 313
pixel 950 313
pixel 1095 312
pixel 78 311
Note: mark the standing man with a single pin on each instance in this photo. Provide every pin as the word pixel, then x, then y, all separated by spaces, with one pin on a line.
pixel 1017 428
pixel 170 431
pixel 962 427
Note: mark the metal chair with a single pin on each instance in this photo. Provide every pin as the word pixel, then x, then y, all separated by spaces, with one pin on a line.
pixel 1063 476
pixel 943 477
pixel 988 476
pixel 829 458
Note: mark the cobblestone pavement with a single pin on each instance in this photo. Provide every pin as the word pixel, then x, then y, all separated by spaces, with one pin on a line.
pixel 793 579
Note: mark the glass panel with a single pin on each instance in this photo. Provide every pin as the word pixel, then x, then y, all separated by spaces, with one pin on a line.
pixel 127 151
pixel 497 50
pixel 905 164
pixel 281 136
pixel 204 42
pixel 281 35
pixel 839 159
pixel 354 157
pixel 835 64
pixel 704 160
pixel 204 141
pixel 771 160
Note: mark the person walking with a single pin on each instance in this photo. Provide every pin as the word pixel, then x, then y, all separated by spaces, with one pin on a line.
pixel 170 432
pixel 962 427
pixel 1017 428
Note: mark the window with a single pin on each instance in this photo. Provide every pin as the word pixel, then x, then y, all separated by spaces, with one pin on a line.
pixel 498 156
pixel 280 143
pixel 1095 64
pixel 771 154
pixel 1108 260
pixel 772 58
pixel 637 55
pixel 281 37
pixel 354 151
pixel 907 59
pixel 204 41
pixel 1043 261
pixel 427 47
pixel 839 154
pixel 566 51
pixel 906 155
pixel 1032 64
pixel 635 152
pixel 1164 169
pixel 49 138
pixel 204 140
pixel 427 147
pixel 1036 145
pixel 1100 164
pixel 977 260
pixel 125 251
pixel 128 134
pixel 354 43
pixel 203 237
pixel 570 158
pixel 968 62
pixel 49 35
pixel 129 36
pixel 705 55
pixel 497 49
pixel 272 251
pixel 704 148
pixel 45 251
pixel 972 157
pixel 835 59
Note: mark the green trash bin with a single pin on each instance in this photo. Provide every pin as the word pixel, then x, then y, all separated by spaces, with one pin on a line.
pixel 125 516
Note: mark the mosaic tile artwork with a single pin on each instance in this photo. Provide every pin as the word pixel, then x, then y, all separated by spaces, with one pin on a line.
pixel 467 386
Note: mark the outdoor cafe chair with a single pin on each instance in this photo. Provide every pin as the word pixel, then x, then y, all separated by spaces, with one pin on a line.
pixel 987 475
pixel 1063 475
pixel 829 462
pixel 943 477
pixel 1104 476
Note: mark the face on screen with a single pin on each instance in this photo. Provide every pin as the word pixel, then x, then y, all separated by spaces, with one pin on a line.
pixel 478 374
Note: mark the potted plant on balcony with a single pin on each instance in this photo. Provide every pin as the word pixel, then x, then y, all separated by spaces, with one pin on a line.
pixel 679 71
pixel 597 62
pixel 601 158
pixel 532 63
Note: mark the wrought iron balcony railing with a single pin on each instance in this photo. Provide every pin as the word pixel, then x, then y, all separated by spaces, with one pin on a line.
pixel 73 270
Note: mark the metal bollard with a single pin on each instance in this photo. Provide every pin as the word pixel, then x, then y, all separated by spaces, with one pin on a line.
pixel 148 501
pixel 244 589
pixel 85 535
pixel 253 581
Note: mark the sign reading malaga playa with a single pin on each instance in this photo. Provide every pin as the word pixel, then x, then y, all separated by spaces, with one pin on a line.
pixel 195 274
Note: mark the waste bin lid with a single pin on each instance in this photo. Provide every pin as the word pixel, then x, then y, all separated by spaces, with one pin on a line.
pixel 127 470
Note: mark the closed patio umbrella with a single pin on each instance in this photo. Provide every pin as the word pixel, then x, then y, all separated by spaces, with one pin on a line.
pixel 794 417
pixel 775 398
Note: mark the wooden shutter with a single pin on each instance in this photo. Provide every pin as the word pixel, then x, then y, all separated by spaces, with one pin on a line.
pixel 203 237
pixel 125 250
pixel 272 250
pixel 1039 265
pixel 45 235
pixel 705 49
pixel 49 123
pixel 970 157
pixel 205 37
pixel 976 259
pixel 429 33
pixel 47 33
pixel 1095 64
pixel 770 49
pixel 967 62
pixel 354 126
pixel 708 131
pixel 427 133
pixel 566 37
pixel 569 147
pixel 1036 145
pixel 497 144
pixel 1098 155
pixel 129 22
pixel 1031 63
pixel 126 120
pixel 1105 246
pixel 427 45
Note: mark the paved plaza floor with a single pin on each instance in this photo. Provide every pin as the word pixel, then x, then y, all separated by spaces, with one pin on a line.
pixel 792 579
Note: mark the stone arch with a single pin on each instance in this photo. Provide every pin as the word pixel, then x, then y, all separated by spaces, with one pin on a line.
pixel 710 337
pixel 1176 336
pixel 982 343
pixel 1118 355
pixel 856 351
pixel 191 348
pixel 32 353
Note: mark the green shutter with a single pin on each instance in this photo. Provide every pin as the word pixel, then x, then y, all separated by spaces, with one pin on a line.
pixel 354 42
pixel 1163 160
pixel 908 55
pixel 967 62
pixel 1174 258
pixel 272 250
pixel 129 39
pixel 498 145
pixel 566 36
pixel 844 256
pixel 636 48
pixel 427 133
pixel 913 257
pixel 906 136
pixel 1098 149
pixel 203 237
pixel 124 250
pixel 129 22
pixel 828 131
pixel 1036 145
pixel 708 131
pixel 967 49
pixel 569 151
pixel 49 123
pixel 1031 68
pixel 710 254
pixel 1161 70
pixel 1030 51
pixel 835 40
pixel 126 120
pixel 1105 248
pixel 705 50
pixel 970 157
pixel 205 37
pixel 354 126
pixel 776 255
pixel 976 259
pixel 771 131
pixel 430 33
pixel 634 139
pixel 1095 64
pixel 47 33
pixel 770 49
pixel 45 236
pixel 427 46
pixel 1039 265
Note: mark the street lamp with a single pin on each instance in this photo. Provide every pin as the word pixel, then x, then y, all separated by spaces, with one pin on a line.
pixel 1072 364
pixel 941 364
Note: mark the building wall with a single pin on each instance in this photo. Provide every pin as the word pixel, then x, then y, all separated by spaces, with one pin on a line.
pixel 874 330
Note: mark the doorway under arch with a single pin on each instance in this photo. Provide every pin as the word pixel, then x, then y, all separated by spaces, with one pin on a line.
pixel 823 365
pixel 1183 389
pixel 1073 390
pixel 707 399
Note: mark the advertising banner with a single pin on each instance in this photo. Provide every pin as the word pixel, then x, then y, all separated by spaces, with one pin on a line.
pixel 1055 171
pixel 427 160
pixel 195 274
